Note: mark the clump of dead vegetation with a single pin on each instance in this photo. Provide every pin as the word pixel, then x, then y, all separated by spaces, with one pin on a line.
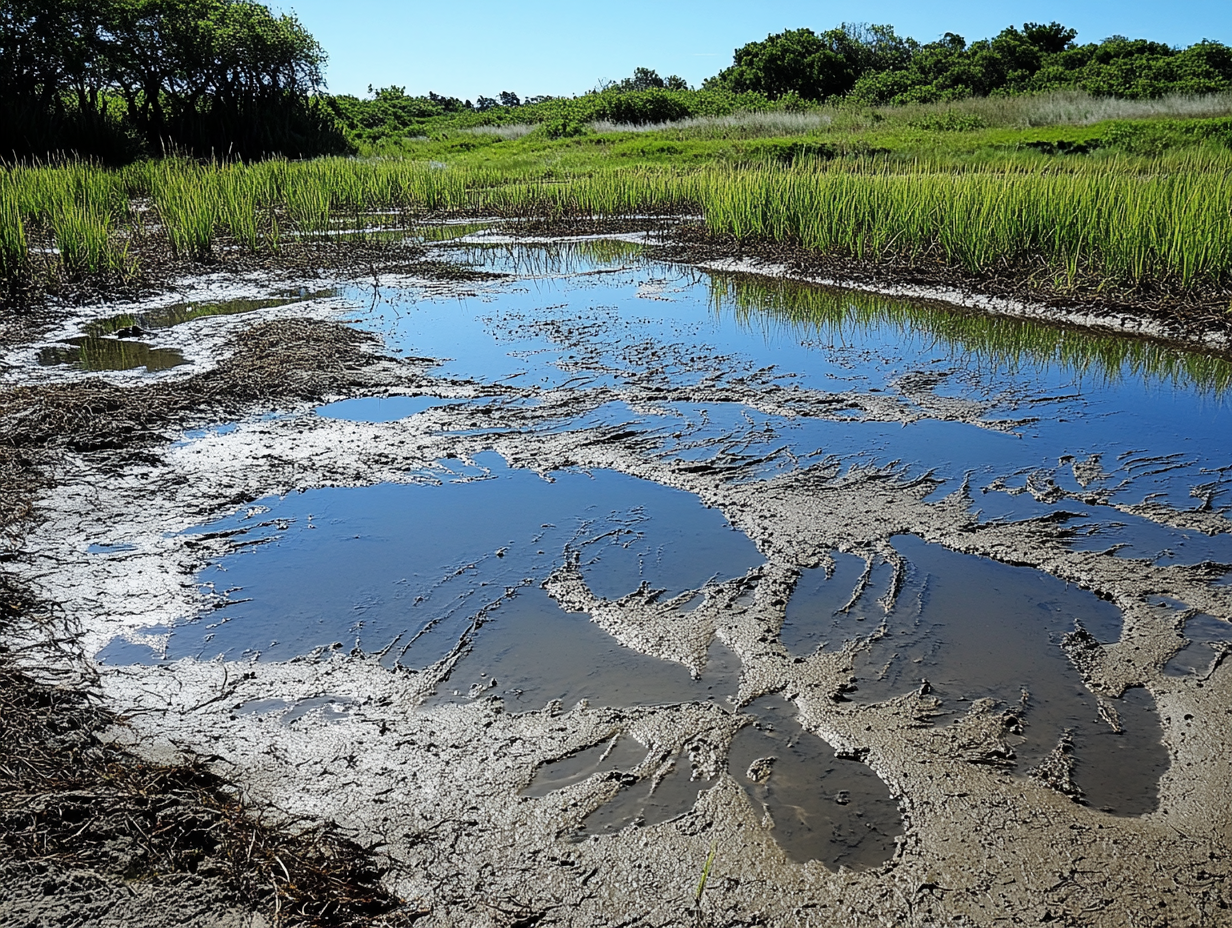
pixel 73 802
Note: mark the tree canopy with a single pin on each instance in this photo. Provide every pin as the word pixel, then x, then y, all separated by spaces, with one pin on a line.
pixel 208 76
pixel 872 64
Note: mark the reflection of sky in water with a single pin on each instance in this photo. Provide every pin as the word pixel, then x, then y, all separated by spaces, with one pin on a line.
pixel 370 564
pixel 659 324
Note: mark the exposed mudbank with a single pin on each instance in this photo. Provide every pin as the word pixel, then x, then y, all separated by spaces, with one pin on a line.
pixel 468 791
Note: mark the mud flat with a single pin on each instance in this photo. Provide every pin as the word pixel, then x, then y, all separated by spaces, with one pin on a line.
pixel 559 589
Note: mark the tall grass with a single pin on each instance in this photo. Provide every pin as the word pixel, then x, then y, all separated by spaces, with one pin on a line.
pixel 14 250
pixel 187 206
pixel 1121 222
pixel 237 205
pixel 1096 225
pixel 79 208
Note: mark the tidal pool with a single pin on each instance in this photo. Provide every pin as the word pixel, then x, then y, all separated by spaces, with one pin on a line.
pixel 746 380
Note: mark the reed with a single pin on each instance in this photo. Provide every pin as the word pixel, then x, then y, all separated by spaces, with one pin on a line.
pixel 14 250
pixel 1126 222
pixel 187 206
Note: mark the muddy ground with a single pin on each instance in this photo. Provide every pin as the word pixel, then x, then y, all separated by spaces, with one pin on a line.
pixel 397 812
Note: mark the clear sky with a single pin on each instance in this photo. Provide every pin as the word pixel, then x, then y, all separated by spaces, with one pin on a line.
pixel 465 48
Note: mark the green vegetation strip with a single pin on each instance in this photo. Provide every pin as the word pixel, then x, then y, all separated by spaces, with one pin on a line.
pixel 1114 223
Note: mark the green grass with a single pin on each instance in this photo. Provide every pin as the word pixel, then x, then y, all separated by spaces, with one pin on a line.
pixel 14 249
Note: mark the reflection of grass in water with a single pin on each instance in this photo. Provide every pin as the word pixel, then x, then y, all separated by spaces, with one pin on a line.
pixel 112 354
pixel 996 340
pixel 554 258
pixel 447 233
pixel 167 316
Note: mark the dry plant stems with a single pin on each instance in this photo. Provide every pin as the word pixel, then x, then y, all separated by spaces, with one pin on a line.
pixel 746 124
pixel 515 131
pixel 72 802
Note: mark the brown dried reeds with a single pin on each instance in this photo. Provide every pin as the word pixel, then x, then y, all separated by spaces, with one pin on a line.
pixel 72 800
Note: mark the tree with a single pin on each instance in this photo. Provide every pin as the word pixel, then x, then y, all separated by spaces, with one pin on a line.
pixel 814 66
pixel 207 75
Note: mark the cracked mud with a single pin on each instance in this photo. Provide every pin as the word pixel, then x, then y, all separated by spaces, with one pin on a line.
pixel 589 576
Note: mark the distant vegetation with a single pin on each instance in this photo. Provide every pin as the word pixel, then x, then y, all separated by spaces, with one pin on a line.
pixel 124 79
pixel 852 66
pixel 119 79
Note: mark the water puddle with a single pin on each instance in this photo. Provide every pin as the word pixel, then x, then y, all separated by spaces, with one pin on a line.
pixel 324 710
pixel 100 353
pixel 418 564
pixel 650 801
pixel 131 325
pixel 620 755
pixel 1210 639
pixel 529 652
pixel 817 805
pixel 114 343
pixel 969 628
pixel 382 408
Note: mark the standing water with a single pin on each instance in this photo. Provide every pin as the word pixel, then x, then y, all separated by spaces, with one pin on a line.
pixel 748 380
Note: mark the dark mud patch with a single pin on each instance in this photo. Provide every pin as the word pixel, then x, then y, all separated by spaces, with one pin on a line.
pixel 293 359
pixel 92 834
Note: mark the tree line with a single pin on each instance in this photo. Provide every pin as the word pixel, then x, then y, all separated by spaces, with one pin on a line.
pixel 852 64
pixel 873 65
pixel 118 79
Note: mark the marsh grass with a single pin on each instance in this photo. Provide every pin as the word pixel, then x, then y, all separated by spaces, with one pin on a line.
pixel 187 205
pixel 1106 225
pixel 744 124
pixel 14 249
pixel 992 342
pixel 237 203
pixel 1119 223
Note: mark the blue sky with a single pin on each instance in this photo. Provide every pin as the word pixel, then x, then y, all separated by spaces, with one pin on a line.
pixel 465 48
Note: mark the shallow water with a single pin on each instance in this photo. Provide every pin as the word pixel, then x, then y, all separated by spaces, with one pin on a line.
pixel 414 566
pixel 818 806
pixel 115 343
pixel 970 629
pixel 1037 422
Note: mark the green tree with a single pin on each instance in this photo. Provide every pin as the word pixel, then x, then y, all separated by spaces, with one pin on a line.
pixel 206 75
pixel 814 66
